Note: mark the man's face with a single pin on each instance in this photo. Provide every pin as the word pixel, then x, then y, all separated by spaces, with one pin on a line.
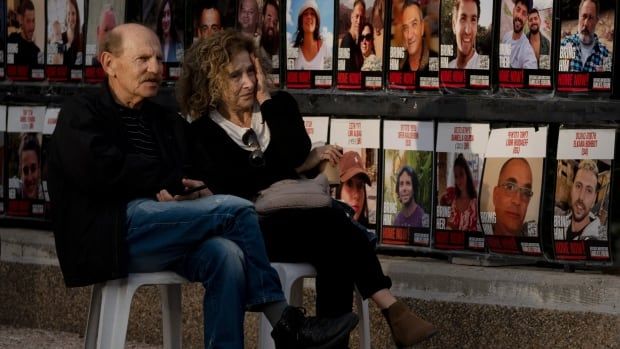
pixel 28 24
pixel 29 169
pixel 465 27
pixel 405 189
pixel 240 77
pixel 519 16
pixel 210 23
pixel 413 29
pixel 270 22
pixel 135 74
pixel 357 18
pixel 583 194
pixel 108 22
pixel 534 22
pixel 511 197
pixel 248 16
pixel 587 22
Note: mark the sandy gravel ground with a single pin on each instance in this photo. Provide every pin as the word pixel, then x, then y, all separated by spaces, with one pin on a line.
pixel 29 338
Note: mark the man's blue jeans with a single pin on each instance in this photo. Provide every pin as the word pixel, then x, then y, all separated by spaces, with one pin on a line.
pixel 214 240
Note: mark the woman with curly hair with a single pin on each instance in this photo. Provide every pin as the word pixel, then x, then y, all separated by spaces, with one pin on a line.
pixel 247 138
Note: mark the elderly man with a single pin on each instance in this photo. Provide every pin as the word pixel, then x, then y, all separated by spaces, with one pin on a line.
pixel 521 53
pixel 209 22
pixel 511 197
pixel 587 52
pixel 119 183
pixel 584 225
pixel 465 16
pixel 413 34
pixel 28 53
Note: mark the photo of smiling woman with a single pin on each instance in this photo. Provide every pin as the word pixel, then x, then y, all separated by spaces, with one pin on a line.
pixel 309 43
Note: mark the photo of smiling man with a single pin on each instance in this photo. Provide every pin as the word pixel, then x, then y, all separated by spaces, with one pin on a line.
pixel 466 43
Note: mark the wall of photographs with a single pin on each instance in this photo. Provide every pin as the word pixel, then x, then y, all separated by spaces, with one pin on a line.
pixel 433 99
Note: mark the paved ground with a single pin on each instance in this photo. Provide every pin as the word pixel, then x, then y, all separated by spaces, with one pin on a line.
pixel 28 338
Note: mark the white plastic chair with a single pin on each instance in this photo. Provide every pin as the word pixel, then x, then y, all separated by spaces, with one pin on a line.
pixel 292 277
pixel 109 309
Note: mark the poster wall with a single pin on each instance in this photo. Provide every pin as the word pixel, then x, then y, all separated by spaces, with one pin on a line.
pixel 360 44
pixel 414 45
pixel 586 46
pixel 25 192
pixel 358 167
pixel 460 157
pixel 103 16
pixel 309 43
pixel 466 44
pixel 65 40
pixel 582 194
pixel 511 192
pixel 525 44
pixel 407 182
pixel 25 39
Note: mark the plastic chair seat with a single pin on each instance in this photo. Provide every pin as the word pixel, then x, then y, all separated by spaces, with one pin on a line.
pixel 292 276
pixel 110 303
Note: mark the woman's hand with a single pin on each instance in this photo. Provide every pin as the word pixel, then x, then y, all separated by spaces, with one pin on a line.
pixel 262 88
pixel 328 152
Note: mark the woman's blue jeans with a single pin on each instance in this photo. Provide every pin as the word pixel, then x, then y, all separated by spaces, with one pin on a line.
pixel 215 240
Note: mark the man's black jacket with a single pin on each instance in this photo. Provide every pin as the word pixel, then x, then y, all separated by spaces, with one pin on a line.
pixel 93 175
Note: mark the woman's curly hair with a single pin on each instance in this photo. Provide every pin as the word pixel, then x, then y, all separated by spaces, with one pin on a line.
pixel 203 76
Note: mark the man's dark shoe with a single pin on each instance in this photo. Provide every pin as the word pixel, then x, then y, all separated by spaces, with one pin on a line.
pixel 296 331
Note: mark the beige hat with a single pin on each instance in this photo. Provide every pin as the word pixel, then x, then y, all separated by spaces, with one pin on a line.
pixel 351 165
pixel 309 4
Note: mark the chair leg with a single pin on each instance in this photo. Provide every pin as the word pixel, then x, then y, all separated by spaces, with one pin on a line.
pixel 92 324
pixel 364 324
pixel 295 294
pixel 264 334
pixel 116 301
pixel 171 315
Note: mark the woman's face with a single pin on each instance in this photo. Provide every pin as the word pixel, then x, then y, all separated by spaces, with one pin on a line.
pixel 240 81
pixel 308 20
pixel 366 42
pixel 460 179
pixel 353 194
pixel 71 15
pixel 166 19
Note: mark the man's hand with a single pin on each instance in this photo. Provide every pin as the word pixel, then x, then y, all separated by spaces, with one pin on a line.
pixel 164 195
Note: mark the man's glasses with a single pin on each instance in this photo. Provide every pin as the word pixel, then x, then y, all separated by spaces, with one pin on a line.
pixel 250 139
pixel 367 37
pixel 28 169
pixel 512 187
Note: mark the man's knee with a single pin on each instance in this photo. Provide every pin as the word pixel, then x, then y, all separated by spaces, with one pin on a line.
pixel 220 255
